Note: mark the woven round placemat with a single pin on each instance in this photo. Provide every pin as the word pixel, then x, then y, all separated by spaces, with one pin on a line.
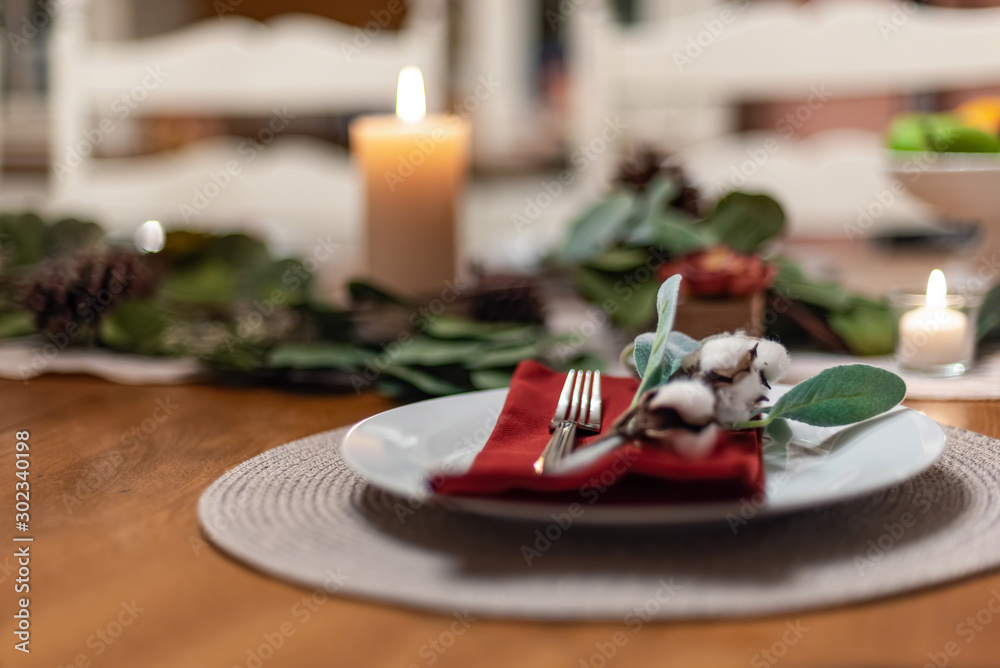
pixel 298 513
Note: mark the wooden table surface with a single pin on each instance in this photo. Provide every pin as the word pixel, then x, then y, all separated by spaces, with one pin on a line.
pixel 120 575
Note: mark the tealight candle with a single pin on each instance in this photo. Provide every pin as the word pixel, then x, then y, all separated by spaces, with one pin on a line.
pixel 414 169
pixel 937 338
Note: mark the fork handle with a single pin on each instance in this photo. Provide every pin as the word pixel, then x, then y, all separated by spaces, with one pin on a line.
pixel 563 437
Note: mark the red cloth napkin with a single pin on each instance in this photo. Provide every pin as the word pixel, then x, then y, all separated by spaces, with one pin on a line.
pixel 504 467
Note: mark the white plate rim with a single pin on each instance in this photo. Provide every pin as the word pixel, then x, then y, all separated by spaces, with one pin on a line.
pixel 933 442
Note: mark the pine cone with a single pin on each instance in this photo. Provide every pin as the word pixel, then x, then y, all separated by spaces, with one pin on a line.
pixel 638 171
pixel 82 288
pixel 503 298
pixel 688 199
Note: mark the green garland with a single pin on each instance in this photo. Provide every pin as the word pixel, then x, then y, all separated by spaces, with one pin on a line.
pixel 613 248
pixel 248 316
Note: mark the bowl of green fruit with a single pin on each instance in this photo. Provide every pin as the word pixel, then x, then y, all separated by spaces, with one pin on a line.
pixel 951 161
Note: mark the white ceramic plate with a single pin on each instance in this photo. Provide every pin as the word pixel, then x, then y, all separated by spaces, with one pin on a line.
pixel 401 448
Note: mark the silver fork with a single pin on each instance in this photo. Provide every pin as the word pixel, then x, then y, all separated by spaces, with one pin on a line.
pixel 580 407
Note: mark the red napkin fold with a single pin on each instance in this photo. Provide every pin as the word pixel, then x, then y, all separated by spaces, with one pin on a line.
pixel 504 467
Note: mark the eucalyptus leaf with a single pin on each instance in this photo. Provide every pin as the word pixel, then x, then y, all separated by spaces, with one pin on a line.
pixel 362 291
pixel 792 283
pixel 662 225
pixel 868 328
pixel 427 351
pixel 450 327
pixel 674 231
pixel 630 305
pixel 238 250
pixel 423 381
pixel 510 356
pixel 490 379
pixel 841 395
pixel 824 294
pixel 317 356
pixel 281 282
pixel 210 281
pixel 659 193
pixel 989 313
pixel 598 229
pixel 779 437
pixel 16 323
pixel 23 238
pixel 746 222
pixel 235 354
pixel 620 260
pixel 135 327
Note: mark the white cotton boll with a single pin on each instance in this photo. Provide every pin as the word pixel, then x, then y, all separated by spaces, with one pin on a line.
pixel 693 400
pixel 695 445
pixel 772 359
pixel 690 362
pixel 735 401
pixel 725 352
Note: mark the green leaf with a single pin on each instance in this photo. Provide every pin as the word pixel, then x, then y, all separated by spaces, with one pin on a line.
pixel 745 222
pixel 662 225
pixel 424 381
pixel 674 231
pixel 620 259
pixel 135 327
pixel 841 395
pixel 630 306
pixel 238 250
pixel 679 346
pixel 642 350
pixel 868 327
pixel 23 238
pixel 16 323
pixel 427 351
pixel 989 313
pixel 511 356
pixel 235 354
pixel 490 379
pixel 207 282
pixel 792 282
pixel 280 282
pixel 666 309
pixel 450 327
pixel 317 356
pixel 598 229
pixel 363 291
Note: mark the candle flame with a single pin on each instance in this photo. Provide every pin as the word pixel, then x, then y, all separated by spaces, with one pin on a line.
pixel 937 290
pixel 411 105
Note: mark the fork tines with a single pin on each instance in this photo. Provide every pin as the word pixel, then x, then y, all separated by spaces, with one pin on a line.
pixel 580 400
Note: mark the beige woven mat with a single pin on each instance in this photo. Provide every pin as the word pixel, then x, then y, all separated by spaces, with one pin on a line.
pixel 298 513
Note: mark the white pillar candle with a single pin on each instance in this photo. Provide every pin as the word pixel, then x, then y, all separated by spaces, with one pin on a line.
pixel 934 334
pixel 414 169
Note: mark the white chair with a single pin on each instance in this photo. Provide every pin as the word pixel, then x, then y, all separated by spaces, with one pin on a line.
pixel 290 66
pixel 677 84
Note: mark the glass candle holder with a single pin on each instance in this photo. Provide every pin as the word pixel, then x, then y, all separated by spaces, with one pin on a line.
pixel 937 337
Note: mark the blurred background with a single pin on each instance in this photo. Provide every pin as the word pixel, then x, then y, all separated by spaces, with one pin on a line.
pixel 125 111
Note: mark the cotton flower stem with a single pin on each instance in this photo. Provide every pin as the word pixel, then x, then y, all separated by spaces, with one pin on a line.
pixel 751 424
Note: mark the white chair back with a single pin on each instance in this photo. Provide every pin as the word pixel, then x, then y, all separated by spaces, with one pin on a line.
pixel 291 66
pixel 676 83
